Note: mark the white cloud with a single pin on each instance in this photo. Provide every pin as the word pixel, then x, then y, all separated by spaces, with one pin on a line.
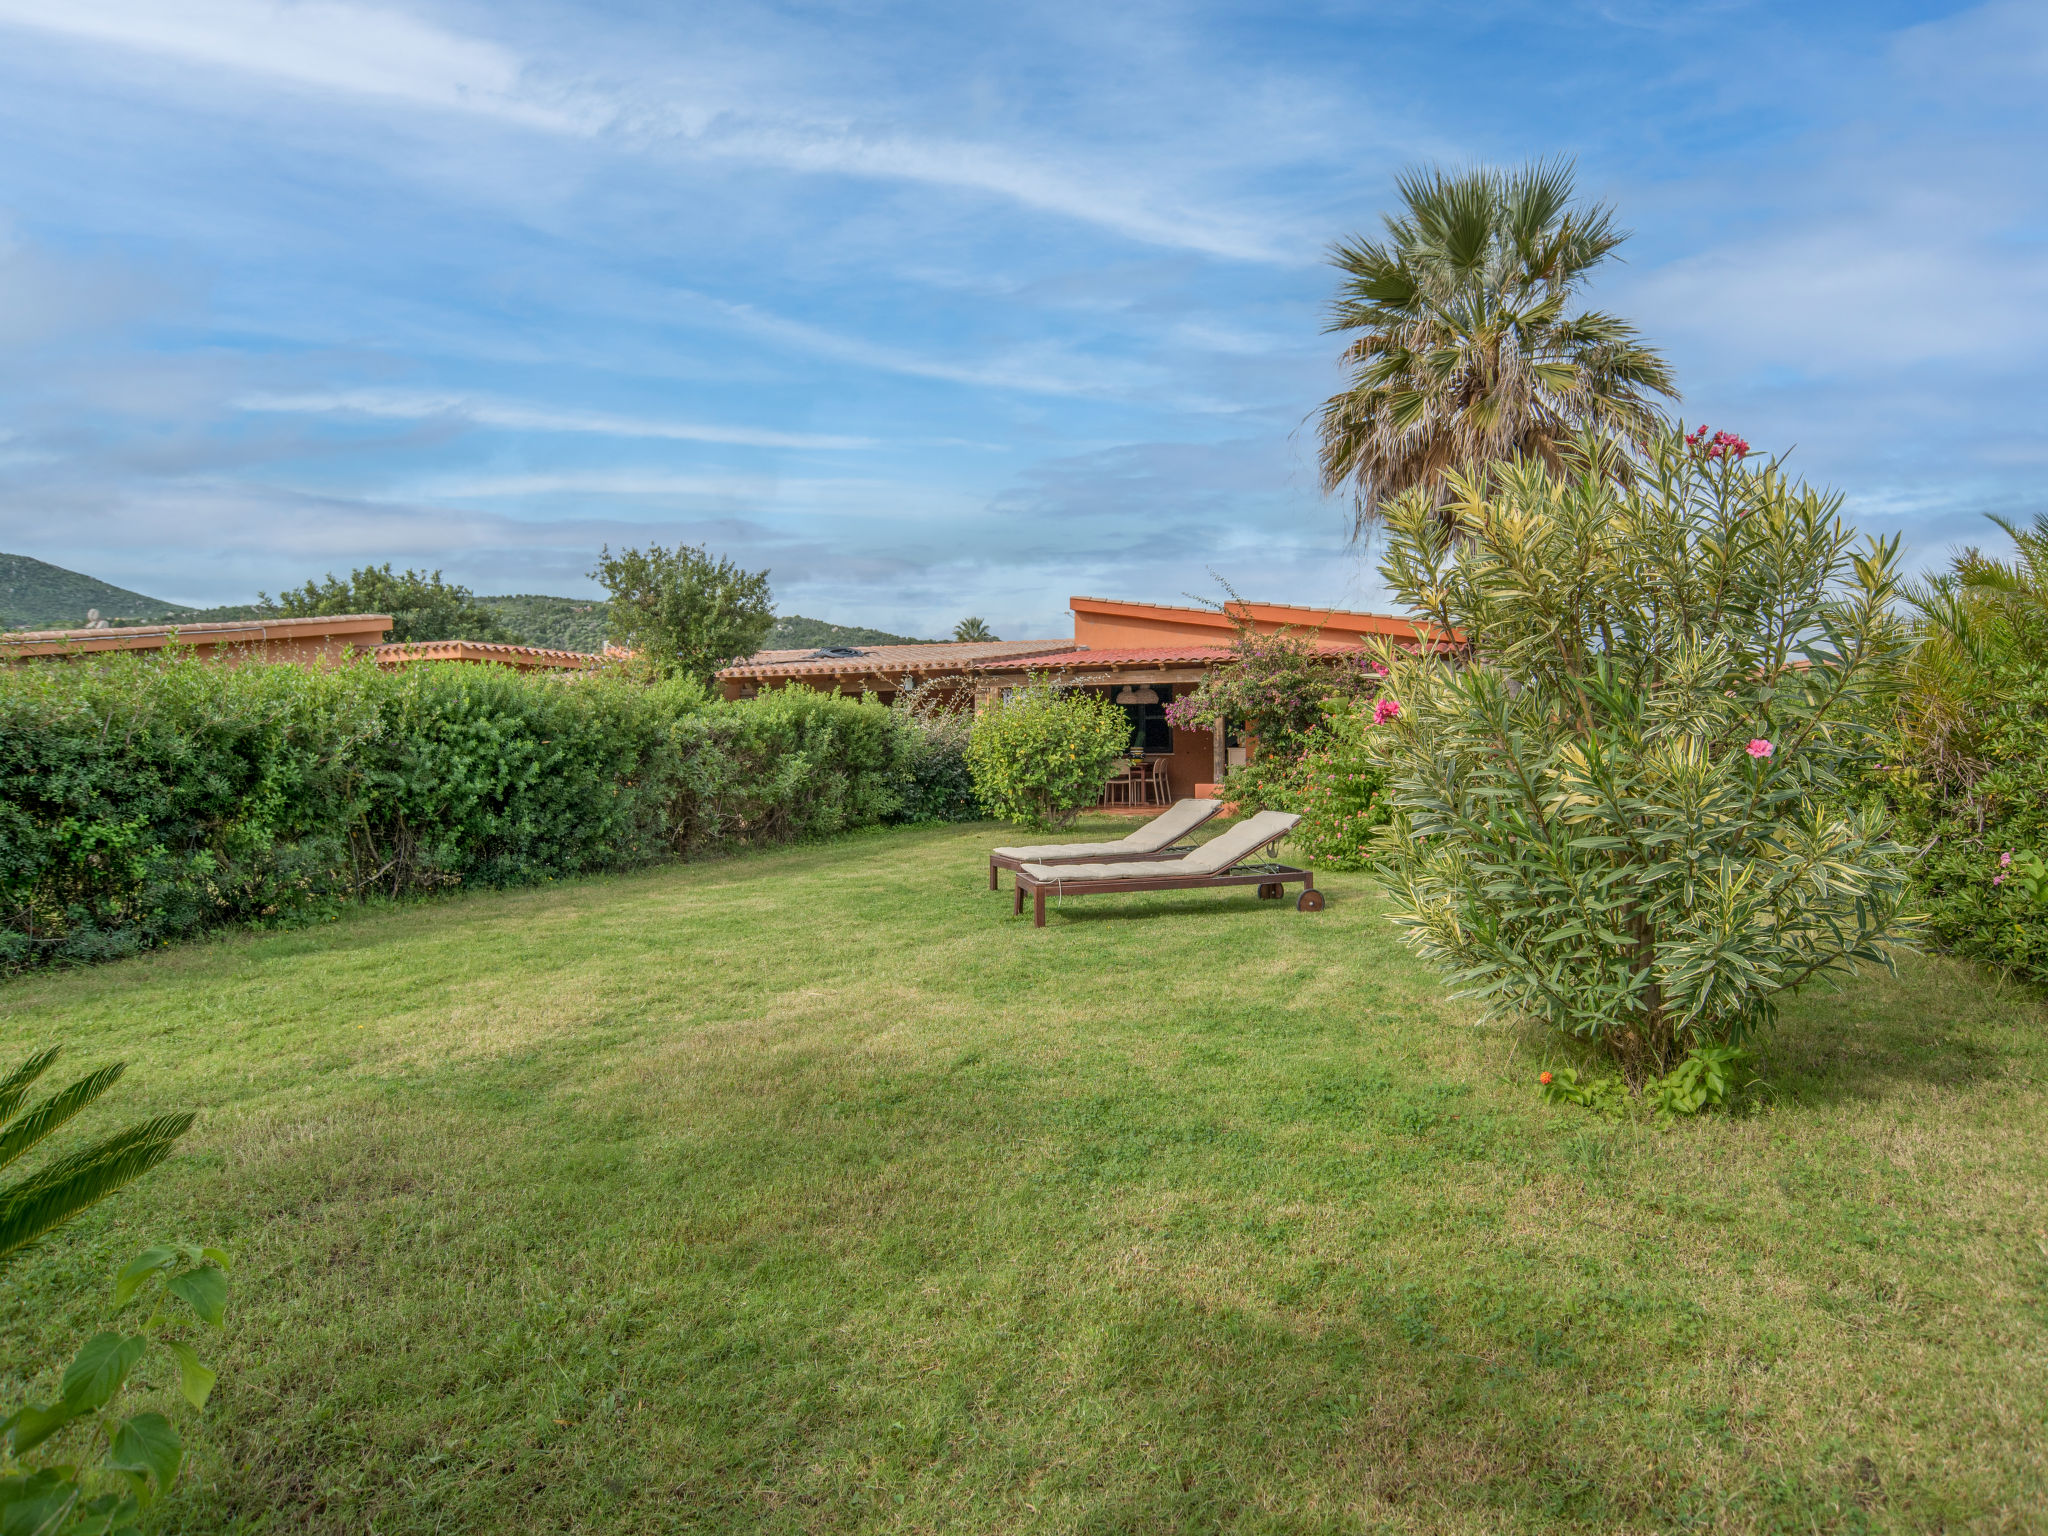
pixel 402 405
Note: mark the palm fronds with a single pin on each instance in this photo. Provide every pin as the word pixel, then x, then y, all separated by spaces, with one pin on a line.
pixel 1465 351
pixel 34 1205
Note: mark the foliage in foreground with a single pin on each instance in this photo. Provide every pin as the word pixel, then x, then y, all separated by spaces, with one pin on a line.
pixel 1041 754
pixel 684 612
pixel 114 1467
pixel 148 798
pixel 37 1204
pixel 1627 814
pixel 1466 350
pixel 422 606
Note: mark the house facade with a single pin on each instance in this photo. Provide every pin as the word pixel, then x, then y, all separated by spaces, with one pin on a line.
pixel 1140 655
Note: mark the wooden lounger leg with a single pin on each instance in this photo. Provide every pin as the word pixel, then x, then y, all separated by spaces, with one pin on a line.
pixel 993 883
pixel 1038 906
pixel 1017 906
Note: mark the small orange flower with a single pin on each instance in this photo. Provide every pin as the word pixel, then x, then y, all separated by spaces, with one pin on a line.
pixel 1544 1078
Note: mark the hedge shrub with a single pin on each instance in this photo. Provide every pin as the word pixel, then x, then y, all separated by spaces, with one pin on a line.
pixel 147 798
pixel 1041 755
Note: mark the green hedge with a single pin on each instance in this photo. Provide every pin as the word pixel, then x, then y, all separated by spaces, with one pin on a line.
pixel 145 799
pixel 1963 832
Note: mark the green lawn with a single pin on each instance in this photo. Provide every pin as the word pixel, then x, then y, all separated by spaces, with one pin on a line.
pixel 812 1191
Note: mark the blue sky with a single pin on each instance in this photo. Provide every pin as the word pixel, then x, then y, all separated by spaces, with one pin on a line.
pixel 937 310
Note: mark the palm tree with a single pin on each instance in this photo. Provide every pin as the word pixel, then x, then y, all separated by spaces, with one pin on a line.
pixel 973 629
pixel 1465 352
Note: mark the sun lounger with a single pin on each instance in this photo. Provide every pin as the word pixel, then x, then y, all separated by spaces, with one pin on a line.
pixel 1221 862
pixel 1154 840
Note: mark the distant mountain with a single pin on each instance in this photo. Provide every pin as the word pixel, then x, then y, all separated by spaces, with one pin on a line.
pixel 792 633
pixel 579 624
pixel 37 595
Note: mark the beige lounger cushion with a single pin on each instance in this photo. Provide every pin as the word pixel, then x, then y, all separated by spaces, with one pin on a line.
pixel 1212 858
pixel 1162 831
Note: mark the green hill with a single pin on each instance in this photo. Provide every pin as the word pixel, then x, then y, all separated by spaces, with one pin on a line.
pixel 578 624
pixel 558 623
pixel 37 595
pixel 792 633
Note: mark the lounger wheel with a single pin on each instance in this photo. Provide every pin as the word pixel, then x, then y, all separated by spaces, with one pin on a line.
pixel 1309 901
pixel 1271 892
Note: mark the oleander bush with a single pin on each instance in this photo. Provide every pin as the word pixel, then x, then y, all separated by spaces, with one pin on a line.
pixel 1623 781
pixel 1041 754
pixel 145 799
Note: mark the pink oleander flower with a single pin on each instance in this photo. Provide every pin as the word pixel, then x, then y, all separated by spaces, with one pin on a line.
pixel 2005 861
pixel 1998 879
pixel 1761 748
pixel 1384 710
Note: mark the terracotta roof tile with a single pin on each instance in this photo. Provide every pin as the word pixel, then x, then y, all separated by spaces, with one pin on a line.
pixel 890 660
pixel 527 656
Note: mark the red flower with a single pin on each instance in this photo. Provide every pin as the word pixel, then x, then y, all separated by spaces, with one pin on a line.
pixel 1543 1078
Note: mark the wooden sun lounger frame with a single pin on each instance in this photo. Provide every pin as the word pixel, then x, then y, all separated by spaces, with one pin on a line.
pixel 1272 884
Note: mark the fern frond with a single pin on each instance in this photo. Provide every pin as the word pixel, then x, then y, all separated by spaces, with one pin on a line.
pixel 56 1193
pixel 32 1127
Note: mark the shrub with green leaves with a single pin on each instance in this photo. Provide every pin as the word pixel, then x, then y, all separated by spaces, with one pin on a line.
pixel 1619 781
pixel 938 785
pixel 147 798
pixel 1339 793
pixel 422 606
pixel 1968 770
pixel 1041 754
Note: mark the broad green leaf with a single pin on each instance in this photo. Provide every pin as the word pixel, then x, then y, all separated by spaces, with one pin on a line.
pixel 217 1257
pixel 148 1443
pixel 39 1502
pixel 103 1363
pixel 195 1379
pixel 205 1291
pixel 137 1270
pixel 32 1426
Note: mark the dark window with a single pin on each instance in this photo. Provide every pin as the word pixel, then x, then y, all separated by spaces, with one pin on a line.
pixel 1149 730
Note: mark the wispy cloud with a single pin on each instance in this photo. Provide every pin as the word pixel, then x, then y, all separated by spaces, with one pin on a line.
pixel 378 52
pixel 402 405
pixel 355 49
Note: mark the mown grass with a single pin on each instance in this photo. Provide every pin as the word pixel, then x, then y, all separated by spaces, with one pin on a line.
pixel 813 1192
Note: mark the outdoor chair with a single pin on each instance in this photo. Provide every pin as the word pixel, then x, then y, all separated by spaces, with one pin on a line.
pixel 1154 840
pixel 1221 862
